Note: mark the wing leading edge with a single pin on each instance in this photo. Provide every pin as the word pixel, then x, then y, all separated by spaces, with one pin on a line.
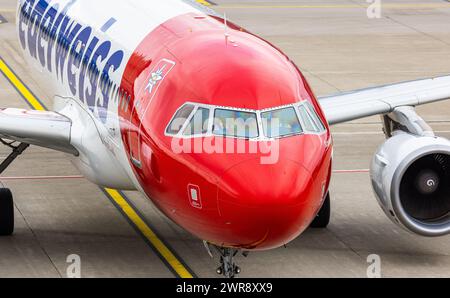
pixel 363 103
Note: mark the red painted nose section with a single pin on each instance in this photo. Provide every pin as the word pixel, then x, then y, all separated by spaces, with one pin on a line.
pixel 267 206
pixel 227 199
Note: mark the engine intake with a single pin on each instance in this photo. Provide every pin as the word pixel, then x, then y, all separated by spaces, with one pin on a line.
pixel 425 188
pixel 411 178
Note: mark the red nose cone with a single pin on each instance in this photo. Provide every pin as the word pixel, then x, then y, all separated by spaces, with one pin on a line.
pixel 267 206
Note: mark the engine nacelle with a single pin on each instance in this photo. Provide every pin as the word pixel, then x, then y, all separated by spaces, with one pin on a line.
pixel 411 178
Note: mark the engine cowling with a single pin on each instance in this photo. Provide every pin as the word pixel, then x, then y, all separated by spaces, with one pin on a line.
pixel 411 178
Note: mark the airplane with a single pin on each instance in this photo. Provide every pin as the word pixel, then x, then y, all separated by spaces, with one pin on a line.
pixel 213 124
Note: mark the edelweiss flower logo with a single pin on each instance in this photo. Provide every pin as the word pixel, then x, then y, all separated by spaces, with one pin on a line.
pixel 155 78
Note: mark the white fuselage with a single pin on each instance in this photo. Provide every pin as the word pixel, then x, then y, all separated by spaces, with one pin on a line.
pixel 79 49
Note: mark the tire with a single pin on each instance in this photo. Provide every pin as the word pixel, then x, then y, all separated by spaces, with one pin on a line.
pixel 323 217
pixel 6 212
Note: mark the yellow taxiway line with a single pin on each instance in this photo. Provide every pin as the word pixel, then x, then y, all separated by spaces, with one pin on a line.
pixel 205 2
pixel 117 197
pixel 20 87
pixel 166 254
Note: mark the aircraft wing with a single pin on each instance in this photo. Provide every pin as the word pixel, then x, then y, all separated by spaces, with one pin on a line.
pixel 363 103
pixel 40 128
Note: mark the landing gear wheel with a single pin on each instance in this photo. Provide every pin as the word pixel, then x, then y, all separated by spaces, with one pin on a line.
pixel 6 212
pixel 323 218
pixel 228 267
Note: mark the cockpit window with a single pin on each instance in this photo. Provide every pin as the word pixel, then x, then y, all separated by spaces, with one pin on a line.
pixel 281 123
pixel 179 119
pixel 199 123
pixel 237 124
pixel 196 120
pixel 308 121
pixel 315 116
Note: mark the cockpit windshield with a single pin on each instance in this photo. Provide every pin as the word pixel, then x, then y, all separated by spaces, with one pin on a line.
pixel 198 124
pixel 281 123
pixel 235 124
pixel 193 120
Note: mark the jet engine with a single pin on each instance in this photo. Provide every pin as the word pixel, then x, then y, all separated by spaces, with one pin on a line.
pixel 410 174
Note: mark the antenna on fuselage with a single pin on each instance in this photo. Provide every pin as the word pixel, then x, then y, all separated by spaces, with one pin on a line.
pixel 227 34
pixel 225 23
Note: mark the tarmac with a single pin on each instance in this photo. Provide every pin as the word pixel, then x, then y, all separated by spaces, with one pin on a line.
pixel 338 48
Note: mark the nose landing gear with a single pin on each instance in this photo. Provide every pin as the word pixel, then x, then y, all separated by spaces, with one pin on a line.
pixel 228 267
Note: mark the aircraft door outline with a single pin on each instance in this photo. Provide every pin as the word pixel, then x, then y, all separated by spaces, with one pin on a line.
pixel 142 103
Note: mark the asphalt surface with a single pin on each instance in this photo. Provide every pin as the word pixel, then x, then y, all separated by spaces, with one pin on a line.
pixel 338 48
